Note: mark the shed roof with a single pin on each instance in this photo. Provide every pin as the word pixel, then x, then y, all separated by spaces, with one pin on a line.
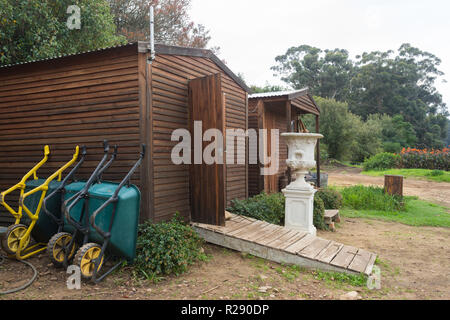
pixel 159 49
pixel 297 98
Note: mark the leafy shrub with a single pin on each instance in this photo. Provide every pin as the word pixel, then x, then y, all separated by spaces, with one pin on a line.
pixel 425 159
pixel 436 173
pixel 166 247
pixel 266 207
pixel 318 214
pixel 370 198
pixel 331 198
pixel 381 161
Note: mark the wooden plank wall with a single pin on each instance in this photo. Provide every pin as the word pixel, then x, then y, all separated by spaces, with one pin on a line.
pixel 81 99
pixel 170 77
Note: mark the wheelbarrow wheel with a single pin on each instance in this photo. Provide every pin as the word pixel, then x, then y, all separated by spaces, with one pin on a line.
pixel 55 248
pixel 85 259
pixel 10 242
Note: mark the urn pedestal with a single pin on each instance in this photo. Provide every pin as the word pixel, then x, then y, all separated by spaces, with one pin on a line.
pixel 299 194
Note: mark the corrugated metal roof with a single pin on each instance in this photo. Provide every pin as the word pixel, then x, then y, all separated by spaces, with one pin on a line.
pixel 68 55
pixel 278 93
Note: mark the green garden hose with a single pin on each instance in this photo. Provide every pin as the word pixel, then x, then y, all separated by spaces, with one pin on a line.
pixel 26 285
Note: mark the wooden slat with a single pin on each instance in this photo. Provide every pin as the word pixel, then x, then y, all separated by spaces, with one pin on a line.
pixel 360 261
pixel 344 257
pixel 329 252
pixel 299 245
pixel 314 248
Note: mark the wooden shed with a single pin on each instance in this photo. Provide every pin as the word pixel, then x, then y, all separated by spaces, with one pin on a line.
pixel 117 94
pixel 278 110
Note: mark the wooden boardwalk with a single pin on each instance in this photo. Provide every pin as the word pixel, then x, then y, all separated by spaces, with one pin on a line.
pixel 282 245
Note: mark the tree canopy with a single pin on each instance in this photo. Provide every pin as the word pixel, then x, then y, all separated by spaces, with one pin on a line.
pixel 32 30
pixel 173 25
pixel 392 83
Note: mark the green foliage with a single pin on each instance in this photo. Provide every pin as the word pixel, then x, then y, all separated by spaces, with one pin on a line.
pixel 366 140
pixel 165 248
pixel 266 207
pixel 381 161
pixel 436 173
pixel 267 88
pixel 425 159
pixel 318 214
pixel 370 198
pixel 337 279
pixel 337 125
pixel 32 30
pixel 331 198
pixel 271 208
pixel 398 84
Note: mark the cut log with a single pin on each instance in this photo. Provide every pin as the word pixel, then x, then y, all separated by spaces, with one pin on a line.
pixel 393 185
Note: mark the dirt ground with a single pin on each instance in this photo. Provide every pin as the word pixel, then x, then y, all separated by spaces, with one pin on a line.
pixel 413 260
pixel 437 192
pixel 414 263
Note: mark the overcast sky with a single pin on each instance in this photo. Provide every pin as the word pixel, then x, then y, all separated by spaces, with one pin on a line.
pixel 251 33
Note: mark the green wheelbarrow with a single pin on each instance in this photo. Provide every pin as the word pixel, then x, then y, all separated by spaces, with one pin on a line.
pixel 110 212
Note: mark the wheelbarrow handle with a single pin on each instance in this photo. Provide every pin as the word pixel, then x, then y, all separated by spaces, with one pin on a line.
pixel 63 184
pixel 114 197
pixel 82 193
pixel 108 164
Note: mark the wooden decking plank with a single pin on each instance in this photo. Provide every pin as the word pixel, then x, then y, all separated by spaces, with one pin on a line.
pixel 314 248
pixel 273 236
pixel 251 236
pixel 237 226
pixel 302 243
pixel 257 225
pixel 294 239
pixel 329 252
pixel 274 229
pixel 281 240
pixel 344 257
pixel 360 261
pixel 370 264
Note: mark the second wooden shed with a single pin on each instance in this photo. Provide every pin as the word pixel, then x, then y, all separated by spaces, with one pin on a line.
pixel 277 110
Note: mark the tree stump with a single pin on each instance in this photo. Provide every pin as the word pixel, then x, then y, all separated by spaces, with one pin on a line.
pixel 393 185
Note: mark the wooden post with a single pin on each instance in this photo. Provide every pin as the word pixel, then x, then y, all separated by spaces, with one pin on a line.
pixel 288 116
pixel 318 153
pixel 393 185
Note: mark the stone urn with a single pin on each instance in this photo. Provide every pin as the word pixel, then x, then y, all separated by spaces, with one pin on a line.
pixel 299 194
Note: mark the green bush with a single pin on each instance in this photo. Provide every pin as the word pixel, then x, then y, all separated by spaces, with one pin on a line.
pixel 381 161
pixel 165 248
pixel 266 207
pixel 270 208
pixel 318 214
pixel 331 198
pixel 370 198
pixel 436 173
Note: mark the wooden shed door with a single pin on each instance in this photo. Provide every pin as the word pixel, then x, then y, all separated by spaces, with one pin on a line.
pixel 207 181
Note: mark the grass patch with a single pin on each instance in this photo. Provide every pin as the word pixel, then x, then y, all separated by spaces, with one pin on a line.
pixel 337 279
pixel 362 197
pixel 416 213
pixel 432 175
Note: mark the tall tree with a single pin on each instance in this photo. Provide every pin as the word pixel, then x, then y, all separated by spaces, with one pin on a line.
pixel 173 25
pixel 31 30
pixel 326 72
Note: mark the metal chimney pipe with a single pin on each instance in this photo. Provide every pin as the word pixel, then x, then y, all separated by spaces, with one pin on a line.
pixel 152 34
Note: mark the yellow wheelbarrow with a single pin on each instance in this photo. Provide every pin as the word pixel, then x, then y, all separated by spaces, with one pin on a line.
pixel 17 238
